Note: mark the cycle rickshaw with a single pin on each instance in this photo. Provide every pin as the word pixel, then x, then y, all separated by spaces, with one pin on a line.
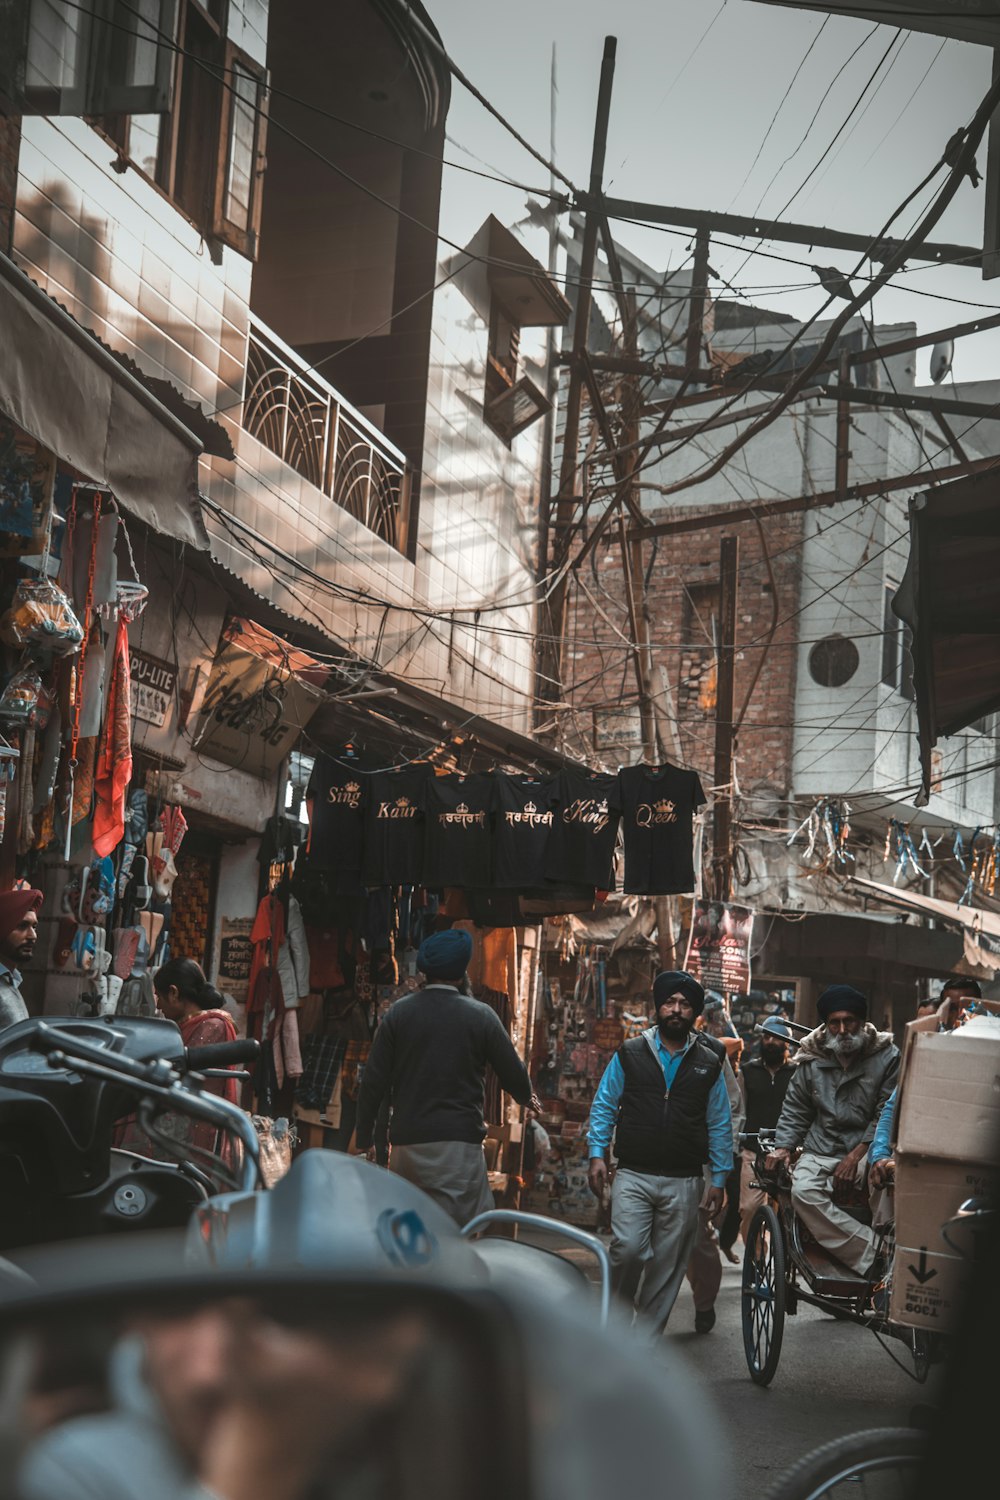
pixel 784 1266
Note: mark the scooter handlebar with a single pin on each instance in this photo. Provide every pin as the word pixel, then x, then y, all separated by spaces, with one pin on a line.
pixel 221 1055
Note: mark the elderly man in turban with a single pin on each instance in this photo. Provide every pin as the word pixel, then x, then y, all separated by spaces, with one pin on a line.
pixel 845 1071
pixel 664 1098
pixel 18 935
pixel 429 1059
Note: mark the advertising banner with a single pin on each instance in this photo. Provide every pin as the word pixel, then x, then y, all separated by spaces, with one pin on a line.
pixel 719 946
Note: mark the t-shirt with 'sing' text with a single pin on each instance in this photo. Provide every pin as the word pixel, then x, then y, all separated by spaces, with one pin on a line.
pixel 523 824
pixel 335 798
pixel 457 833
pixel 658 808
pixel 586 815
pixel 394 827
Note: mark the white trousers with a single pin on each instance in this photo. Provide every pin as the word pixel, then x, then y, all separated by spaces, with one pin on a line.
pixel 853 1244
pixel 654 1222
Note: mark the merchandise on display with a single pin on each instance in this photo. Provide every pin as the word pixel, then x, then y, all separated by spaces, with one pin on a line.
pixel 658 806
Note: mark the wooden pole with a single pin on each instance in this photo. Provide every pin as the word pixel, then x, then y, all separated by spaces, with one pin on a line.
pixel 722 806
pixel 566 497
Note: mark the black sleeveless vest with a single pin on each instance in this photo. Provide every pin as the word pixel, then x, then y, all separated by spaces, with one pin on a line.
pixel 661 1133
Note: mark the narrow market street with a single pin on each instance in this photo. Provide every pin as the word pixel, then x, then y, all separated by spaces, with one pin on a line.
pixel 833 1378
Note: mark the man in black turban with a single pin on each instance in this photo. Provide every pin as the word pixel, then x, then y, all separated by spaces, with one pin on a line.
pixel 845 1071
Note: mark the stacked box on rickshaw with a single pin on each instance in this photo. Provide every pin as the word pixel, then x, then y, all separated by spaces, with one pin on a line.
pixel 947 1135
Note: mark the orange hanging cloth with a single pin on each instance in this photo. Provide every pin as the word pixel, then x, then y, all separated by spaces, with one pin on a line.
pixel 114 764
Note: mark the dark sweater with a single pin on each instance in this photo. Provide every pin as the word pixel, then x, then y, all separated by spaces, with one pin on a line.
pixel 764 1093
pixel 429 1057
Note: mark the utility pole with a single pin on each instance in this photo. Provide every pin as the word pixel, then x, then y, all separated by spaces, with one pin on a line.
pixel 566 497
pixel 722 809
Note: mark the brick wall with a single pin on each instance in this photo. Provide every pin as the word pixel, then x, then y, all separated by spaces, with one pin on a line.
pixel 10 146
pixel 683 574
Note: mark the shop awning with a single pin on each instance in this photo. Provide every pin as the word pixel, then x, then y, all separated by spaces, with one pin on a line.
pixel 981 927
pixel 69 393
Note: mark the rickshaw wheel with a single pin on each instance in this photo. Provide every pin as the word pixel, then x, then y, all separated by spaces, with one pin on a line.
pixel 763 1295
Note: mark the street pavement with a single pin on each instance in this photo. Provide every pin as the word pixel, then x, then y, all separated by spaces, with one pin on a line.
pixel 833 1378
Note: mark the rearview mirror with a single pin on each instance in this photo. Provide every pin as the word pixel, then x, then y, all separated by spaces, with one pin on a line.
pixel 318 1393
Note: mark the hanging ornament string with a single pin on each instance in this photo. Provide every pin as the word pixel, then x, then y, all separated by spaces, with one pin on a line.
pixel 81 661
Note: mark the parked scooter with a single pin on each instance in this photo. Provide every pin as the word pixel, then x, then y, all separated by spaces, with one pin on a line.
pixel 63 1087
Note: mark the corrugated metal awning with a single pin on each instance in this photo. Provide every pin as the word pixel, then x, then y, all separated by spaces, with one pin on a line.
pixel 70 394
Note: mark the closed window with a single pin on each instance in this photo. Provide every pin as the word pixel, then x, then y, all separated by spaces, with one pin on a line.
pixel 100 59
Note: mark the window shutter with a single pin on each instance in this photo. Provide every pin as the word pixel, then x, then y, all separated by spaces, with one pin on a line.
pixel 242 160
pixel 114 58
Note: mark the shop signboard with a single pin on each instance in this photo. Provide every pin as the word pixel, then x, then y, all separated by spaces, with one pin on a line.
pixel 235 953
pixel 258 700
pixel 153 687
pixel 719 946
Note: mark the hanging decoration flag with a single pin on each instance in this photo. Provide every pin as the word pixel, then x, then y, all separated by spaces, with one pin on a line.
pixel 827 831
pixel 718 954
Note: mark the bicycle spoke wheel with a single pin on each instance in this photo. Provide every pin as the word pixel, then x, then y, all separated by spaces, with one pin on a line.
pixel 877 1465
pixel 763 1295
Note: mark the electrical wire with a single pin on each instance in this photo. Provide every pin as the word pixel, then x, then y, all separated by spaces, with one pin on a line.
pixel 774 118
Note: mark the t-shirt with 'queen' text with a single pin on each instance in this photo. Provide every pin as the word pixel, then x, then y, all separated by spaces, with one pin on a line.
pixel 658 805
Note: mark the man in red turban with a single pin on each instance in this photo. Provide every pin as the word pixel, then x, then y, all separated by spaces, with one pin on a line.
pixel 18 935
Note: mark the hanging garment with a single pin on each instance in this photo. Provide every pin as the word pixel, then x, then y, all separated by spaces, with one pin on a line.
pixel 114 762
pixel 586 814
pixel 293 958
pixel 335 798
pixel 394 826
pixel 458 836
pixel 523 806
pixel 659 803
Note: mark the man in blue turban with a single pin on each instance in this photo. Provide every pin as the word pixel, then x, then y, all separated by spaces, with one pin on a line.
pixel 429 1060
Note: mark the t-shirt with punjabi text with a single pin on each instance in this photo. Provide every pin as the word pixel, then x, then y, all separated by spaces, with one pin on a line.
pixel 523 825
pixel 458 837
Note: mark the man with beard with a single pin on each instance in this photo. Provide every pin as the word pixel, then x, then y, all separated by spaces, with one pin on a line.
pixel 764 1081
pixel 845 1071
pixel 663 1097
pixel 18 935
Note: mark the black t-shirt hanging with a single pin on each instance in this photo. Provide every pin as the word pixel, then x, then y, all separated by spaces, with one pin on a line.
pixel 585 822
pixel 457 838
pixel 523 824
pixel 336 798
pixel 394 826
pixel 658 804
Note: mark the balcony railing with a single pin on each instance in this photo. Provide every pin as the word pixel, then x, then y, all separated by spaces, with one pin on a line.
pixel 304 421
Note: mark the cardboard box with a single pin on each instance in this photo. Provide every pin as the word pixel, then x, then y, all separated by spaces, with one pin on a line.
pixel 928 1274
pixel 949 1091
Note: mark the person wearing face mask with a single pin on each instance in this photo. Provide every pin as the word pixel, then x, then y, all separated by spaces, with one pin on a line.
pixel 764 1081
pixel 663 1097
pixel 845 1071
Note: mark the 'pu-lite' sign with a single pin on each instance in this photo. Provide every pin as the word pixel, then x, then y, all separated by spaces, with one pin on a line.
pixel 260 696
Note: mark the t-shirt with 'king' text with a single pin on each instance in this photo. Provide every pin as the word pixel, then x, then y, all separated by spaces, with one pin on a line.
pixel 585 822
pixel 658 806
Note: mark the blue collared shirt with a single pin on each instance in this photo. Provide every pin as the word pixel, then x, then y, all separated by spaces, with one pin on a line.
pixel 881 1146
pixel 719 1115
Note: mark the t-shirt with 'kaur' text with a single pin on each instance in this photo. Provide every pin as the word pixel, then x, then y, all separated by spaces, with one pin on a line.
pixel 658 808
pixel 394 826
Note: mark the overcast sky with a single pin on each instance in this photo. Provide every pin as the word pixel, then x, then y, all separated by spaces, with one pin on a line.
pixel 690 112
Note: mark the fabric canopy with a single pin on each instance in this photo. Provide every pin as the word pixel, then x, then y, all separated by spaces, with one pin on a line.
pixel 62 388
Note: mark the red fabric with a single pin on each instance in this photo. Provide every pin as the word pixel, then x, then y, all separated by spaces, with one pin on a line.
pixel 114 763
pixel 14 907
pixel 267 936
pixel 202 1030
